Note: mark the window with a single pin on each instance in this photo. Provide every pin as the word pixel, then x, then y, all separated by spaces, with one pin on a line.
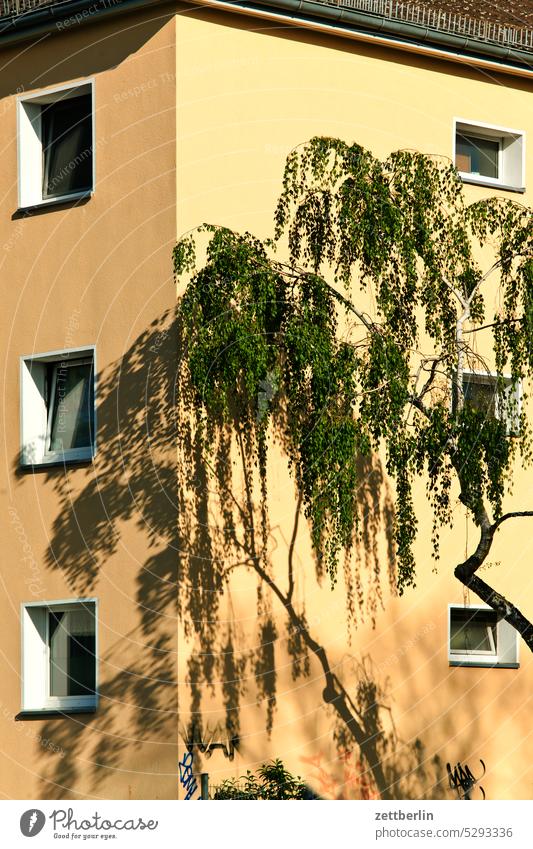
pixel 477 638
pixel 481 393
pixel 58 407
pixel 473 632
pixel 477 156
pixel 59 654
pixel 56 145
pixel 490 155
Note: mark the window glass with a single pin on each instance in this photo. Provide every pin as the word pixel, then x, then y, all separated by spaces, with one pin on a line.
pixel 477 156
pixel 72 643
pixel 480 395
pixel 67 146
pixel 71 405
pixel 473 631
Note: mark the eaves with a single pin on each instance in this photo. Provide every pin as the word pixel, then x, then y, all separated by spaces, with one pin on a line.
pixel 376 29
pixel 308 14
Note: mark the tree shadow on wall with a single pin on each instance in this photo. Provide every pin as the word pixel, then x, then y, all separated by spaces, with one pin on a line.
pixel 410 771
pixel 228 547
pixel 220 539
pixel 114 536
pixel 200 521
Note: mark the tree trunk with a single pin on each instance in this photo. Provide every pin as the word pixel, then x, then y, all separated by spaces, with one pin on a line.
pixel 466 573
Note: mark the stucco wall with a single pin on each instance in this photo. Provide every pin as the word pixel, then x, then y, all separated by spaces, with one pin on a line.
pixel 97 273
pixel 248 92
pixel 195 116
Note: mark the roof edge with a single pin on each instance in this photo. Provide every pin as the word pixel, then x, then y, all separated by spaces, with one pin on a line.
pixel 304 13
pixel 62 16
pixel 403 32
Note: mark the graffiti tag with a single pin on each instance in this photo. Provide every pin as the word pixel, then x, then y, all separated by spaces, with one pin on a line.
pixel 187 779
pixel 462 781
pixel 207 745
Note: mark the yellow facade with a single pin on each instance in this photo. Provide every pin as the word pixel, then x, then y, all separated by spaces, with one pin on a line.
pixel 249 92
pixel 196 112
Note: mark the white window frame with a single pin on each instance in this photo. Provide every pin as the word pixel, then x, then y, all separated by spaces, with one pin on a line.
pixel 30 145
pixel 35 409
pixel 489 377
pixel 35 655
pixel 511 158
pixel 506 647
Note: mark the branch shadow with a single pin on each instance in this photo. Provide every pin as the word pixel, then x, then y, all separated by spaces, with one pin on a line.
pixel 223 528
pixel 132 482
pixel 194 533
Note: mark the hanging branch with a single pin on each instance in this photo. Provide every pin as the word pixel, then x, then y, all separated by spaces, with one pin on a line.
pixel 398 235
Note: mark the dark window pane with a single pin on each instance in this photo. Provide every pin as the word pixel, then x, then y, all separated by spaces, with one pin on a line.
pixel 480 396
pixel 67 146
pixel 477 156
pixel 72 644
pixel 473 631
pixel 72 405
pixel 82 665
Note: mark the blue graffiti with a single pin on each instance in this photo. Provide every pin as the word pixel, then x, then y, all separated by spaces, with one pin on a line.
pixel 187 779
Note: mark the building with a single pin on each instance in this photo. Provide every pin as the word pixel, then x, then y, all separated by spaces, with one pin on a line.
pixel 126 124
pixel 67 239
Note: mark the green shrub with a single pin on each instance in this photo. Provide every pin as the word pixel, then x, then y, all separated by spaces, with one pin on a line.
pixel 271 781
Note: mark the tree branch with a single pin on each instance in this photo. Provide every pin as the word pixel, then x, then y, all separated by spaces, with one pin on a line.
pixel 481 280
pixel 495 324
pixel 457 293
pixel 292 545
pixel 503 607
pixel 371 326
pixel 515 515
pixel 466 573
pixel 431 378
